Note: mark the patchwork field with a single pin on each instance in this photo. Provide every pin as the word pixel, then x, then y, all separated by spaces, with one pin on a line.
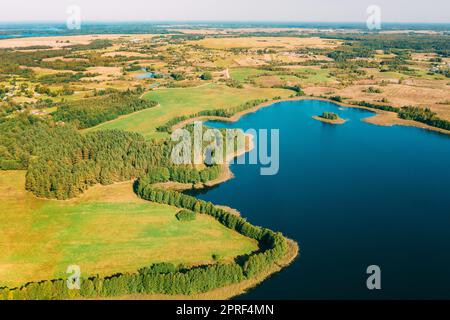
pixel 243 74
pixel 186 101
pixel 105 231
pixel 62 41
pixel 266 42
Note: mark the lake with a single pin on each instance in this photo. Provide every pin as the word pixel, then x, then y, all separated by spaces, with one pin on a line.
pixel 351 195
pixel 147 75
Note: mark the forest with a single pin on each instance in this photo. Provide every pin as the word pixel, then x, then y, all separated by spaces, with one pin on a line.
pixel 65 171
pixel 90 112
pixel 62 162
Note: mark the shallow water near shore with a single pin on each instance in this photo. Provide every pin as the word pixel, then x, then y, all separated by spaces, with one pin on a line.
pixel 351 195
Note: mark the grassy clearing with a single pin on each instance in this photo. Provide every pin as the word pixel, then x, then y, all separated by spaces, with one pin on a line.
pixel 105 231
pixel 186 101
pixel 243 74
pixel 314 76
pixel 309 76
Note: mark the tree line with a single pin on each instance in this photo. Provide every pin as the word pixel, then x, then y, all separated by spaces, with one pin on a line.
pixel 423 115
pixel 182 174
pixel 377 106
pixel 222 112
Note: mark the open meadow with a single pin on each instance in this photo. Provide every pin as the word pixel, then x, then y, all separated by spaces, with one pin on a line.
pixel 105 231
pixel 186 101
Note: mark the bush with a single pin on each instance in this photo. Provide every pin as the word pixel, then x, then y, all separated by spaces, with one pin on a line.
pixel 336 98
pixel 186 215
pixel 206 76
pixel 177 76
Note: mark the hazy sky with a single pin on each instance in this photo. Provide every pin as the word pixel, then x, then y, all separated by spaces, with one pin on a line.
pixel 224 10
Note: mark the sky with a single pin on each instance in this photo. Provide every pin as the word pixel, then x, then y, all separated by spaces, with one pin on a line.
pixel 227 10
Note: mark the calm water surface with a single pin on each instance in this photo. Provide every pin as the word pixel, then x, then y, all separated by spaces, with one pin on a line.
pixel 352 195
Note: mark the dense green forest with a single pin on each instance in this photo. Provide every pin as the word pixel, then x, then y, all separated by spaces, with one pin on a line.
pixel 26 136
pixel 104 157
pixel 62 162
pixel 90 112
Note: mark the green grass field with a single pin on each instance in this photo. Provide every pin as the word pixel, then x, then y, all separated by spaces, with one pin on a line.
pixel 243 74
pixel 309 75
pixel 315 76
pixel 105 231
pixel 186 101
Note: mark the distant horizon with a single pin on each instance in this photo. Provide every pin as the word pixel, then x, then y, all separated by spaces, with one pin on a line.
pixel 286 11
pixel 220 21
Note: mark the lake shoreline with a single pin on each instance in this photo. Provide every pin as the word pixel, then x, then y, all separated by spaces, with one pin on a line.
pixel 230 291
pixel 225 172
pixel 381 117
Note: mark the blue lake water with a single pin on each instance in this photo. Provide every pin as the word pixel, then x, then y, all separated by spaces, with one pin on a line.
pixel 146 75
pixel 351 195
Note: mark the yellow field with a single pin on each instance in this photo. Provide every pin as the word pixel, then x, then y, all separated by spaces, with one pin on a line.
pixel 265 42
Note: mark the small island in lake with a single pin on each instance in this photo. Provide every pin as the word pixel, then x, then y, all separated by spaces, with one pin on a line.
pixel 330 117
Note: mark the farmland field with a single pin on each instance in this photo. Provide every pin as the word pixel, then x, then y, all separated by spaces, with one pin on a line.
pixel 242 74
